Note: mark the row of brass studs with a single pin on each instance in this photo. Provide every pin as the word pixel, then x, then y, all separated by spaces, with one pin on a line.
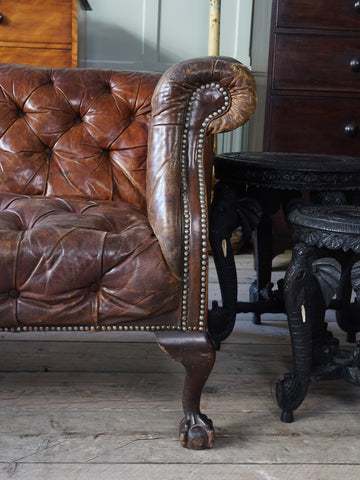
pixel 91 328
pixel 203 206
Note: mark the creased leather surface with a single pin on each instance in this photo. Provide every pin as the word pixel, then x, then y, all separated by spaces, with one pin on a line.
pixel 91 214
pixel 79 133
pixel 79 262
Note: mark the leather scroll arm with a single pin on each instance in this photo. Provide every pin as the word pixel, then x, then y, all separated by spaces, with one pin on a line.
pixel 192 100
pixel 166 142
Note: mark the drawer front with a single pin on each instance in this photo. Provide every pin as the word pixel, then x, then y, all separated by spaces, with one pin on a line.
pixel 36 21
pixel 314 62
pixel 314 125
pixel 338 14
pixel 42 57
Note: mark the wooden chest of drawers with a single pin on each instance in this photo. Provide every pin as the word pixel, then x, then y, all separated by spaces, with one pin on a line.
pixel 41 32
pixel 313 93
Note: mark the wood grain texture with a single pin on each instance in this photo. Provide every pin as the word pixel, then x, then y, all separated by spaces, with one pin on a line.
pixel 43 57
pixel 109 408
pixel 178 472
pixel 40 32
pixel 36 21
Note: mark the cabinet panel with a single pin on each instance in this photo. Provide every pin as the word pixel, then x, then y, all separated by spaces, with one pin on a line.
pixel 313 88
pixel 36 21
pixel 314 124
pixel 312 62
pixel 47 33
pixel 44 57
pixel 331 14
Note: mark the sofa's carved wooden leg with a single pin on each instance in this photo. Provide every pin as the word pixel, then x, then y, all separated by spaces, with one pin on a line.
pixel 196 352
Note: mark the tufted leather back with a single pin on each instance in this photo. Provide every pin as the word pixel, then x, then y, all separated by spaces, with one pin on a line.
pixel 75 132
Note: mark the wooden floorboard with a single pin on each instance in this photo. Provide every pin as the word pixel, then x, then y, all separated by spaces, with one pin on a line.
pixel 179 472
pixel 107 406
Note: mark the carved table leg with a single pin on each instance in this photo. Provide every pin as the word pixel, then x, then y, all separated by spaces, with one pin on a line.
pixel 221 320
pixel 347 316
pixel 305 309
pixel 352 373
pixel 230 209
pixel 263 252
pixel 260 290
pixel 196 352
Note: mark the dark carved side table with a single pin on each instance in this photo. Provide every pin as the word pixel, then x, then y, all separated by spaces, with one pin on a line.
pixel 325 262
pixel 251 188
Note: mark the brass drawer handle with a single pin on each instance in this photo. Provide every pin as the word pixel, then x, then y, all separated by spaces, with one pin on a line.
pixel 351 130
pixel 355 65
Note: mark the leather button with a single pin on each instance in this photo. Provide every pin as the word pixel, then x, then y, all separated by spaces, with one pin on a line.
pixel 94 287
pixel 14 293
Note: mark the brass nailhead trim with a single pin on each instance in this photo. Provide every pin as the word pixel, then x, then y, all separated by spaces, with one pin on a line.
pixel 90 328
pixel 203 210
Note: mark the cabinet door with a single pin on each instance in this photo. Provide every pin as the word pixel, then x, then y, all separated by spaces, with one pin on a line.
pixel 313 62
pixel 311 124
pixel 36 21
pixel 42 57
pixel 328 14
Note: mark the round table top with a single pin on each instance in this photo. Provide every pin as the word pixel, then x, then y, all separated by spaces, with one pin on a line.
pixel 289 170
pixel 332 226
pixel 330 218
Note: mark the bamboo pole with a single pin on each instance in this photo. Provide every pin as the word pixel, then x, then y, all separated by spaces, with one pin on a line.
pixel 214 49
pixel 214 28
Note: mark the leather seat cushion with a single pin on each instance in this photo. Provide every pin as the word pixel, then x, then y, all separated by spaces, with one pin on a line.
pixel 80 262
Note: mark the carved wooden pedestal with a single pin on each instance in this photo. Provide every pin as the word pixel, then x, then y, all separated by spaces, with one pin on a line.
pixel 325 264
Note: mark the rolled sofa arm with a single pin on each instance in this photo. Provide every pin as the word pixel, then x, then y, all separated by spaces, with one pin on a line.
pixel 193 100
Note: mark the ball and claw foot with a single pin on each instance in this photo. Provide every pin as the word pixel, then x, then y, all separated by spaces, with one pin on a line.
pixel 197 432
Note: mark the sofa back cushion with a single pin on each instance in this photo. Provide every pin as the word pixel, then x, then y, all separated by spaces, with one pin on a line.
pixel 75 132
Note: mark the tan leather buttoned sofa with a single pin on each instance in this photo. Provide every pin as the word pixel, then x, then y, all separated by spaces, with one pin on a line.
pixel 105 179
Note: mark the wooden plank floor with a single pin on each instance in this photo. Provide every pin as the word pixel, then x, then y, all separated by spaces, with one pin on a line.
pixel 107 406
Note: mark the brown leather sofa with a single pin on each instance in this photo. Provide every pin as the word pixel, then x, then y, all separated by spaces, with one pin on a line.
pixel 104 187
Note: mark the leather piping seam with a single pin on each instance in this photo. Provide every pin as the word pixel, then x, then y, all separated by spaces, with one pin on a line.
pixel 203 207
